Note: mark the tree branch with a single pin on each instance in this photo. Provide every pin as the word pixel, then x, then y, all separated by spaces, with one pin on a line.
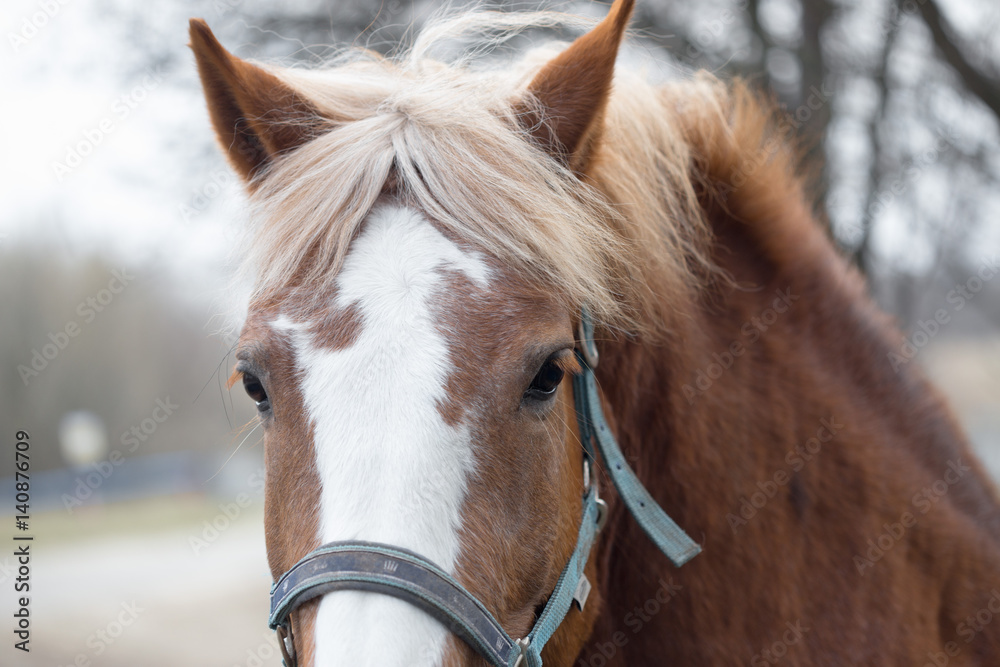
pixel 983 87
pixel 815 70
pixel 862 252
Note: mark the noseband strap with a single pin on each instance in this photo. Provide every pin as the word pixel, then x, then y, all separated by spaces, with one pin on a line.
pixel 382 568
pixel 390 570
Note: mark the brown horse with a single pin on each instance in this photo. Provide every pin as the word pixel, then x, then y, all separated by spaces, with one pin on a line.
pixel 422 237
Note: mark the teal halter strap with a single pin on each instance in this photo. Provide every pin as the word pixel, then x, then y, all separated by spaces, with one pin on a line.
pixel 660 528
pixel 393 571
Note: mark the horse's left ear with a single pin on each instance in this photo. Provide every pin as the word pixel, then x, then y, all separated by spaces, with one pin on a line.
pixel 256 115
pixel 571 91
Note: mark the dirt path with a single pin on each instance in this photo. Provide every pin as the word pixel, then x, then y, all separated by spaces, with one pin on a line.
pixel 151 601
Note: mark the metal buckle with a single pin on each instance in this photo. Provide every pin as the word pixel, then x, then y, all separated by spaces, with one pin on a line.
pixel 590 480
pixel 286 644
pixel 602 513
pixel 522 644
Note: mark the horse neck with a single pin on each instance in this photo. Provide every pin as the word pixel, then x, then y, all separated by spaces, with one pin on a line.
pixel 811 360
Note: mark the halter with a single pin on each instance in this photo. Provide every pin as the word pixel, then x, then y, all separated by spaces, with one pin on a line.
pixel 389 570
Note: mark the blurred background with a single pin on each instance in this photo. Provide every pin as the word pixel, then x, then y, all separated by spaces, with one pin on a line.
pixel 118 214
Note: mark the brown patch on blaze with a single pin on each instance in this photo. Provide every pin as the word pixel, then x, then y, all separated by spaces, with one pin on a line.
pixel 336 329
pixel 293 487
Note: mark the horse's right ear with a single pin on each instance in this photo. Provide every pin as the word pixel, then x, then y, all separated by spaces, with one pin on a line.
pixel 571 91
pixel 256 115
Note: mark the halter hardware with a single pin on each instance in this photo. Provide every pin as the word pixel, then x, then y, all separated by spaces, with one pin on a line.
pixel 602 514
pixel 522 645
pixel 286 642
pixel 389 570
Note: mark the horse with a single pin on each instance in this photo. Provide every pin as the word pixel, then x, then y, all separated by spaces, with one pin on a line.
pixel 439 248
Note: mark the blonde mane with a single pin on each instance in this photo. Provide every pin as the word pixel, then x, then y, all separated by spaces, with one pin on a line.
pixel 447 135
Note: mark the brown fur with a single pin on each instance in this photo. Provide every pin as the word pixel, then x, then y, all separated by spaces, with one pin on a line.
pixel 825 358
pixel 742 256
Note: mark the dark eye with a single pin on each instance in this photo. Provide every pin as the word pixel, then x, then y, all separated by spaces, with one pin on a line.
pixel 255 390
pixel 544 386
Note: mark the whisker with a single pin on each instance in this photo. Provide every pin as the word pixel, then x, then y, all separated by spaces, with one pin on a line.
pixel 225 357
pixel 259 423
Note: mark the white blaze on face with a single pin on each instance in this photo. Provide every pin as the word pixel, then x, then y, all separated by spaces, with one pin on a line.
pixel 391 469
